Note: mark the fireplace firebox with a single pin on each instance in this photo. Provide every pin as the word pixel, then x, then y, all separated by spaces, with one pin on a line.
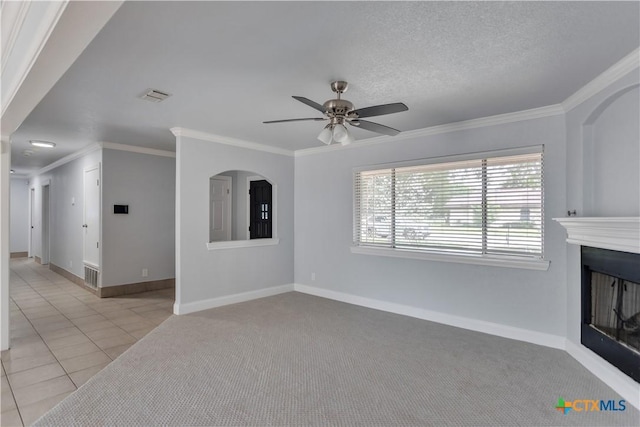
pixel 611 307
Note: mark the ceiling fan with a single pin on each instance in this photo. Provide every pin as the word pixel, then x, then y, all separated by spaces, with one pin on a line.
pixel 340 112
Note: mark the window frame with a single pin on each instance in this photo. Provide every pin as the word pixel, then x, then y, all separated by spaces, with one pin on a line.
pixel 499 260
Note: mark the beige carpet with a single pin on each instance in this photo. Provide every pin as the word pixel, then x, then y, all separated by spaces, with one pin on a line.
pixel 295 359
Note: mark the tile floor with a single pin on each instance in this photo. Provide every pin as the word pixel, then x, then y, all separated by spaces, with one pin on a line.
pixel 62 335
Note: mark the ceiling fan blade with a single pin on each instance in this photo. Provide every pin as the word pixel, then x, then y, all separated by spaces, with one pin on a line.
pixel 379 110
pixel 310 103
pixel 374 127
pixel 316 119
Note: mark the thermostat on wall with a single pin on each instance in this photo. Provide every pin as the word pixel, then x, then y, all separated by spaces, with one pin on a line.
pixel 120 209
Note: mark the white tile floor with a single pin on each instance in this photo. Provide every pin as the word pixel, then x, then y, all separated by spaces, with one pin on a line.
pixel 62 335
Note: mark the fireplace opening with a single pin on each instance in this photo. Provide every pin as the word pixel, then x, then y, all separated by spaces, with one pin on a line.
pixel 611 307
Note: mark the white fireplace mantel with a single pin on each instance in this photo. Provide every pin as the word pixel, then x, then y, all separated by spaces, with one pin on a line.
pixel 615 233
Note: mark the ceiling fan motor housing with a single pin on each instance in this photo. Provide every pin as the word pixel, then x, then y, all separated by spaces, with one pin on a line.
pixel 337 107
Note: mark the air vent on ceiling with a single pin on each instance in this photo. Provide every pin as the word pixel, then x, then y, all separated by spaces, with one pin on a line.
pixel 155 95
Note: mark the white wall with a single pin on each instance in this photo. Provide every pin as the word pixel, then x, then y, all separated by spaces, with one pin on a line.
pixel 145 238
pixel 19 219
pixel 67 212
pixel 204 274
pixel 533 300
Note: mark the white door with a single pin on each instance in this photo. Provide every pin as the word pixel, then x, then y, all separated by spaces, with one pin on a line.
pixel 91 225
pixel 220 209
pixel 45 224
pixel 32 222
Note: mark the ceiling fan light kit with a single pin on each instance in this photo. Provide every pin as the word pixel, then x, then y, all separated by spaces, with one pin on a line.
pixel 326 135
pixel 340 112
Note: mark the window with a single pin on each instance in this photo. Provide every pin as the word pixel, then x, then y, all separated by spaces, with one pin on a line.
pixel 484 205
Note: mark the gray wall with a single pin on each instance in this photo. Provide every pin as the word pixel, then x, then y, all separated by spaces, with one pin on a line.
pixel 528 299
pixel 19 216
pixel 145 238
pixel 205 274
pixel 603 154
pixel 613 169
pixel 65 218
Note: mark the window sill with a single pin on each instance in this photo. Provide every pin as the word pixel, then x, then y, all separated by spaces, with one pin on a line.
pixel 530 264
pixel 232 244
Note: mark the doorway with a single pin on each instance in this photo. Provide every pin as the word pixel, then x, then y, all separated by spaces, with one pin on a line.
pixel 91 225
pixel 32 222
pixel 46 209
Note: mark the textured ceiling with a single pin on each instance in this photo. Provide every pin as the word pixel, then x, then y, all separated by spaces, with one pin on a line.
pixel 232 65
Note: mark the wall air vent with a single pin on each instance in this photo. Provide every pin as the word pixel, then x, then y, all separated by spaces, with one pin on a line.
pixel 155 95
pixel 91 276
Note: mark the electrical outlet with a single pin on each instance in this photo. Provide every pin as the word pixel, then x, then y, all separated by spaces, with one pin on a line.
pixel 70 264
pixel 313 277
pixel 145 272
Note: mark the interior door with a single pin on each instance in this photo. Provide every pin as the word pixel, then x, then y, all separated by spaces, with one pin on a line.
pixel 45 223
pixel 261 208
pixel 91 225
pixel 220 210
pixel 32 221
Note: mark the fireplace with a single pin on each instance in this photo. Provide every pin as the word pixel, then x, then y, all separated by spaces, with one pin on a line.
pixel 611 307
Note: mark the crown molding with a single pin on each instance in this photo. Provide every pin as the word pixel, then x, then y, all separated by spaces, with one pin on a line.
pixel 17 12
pixel 518 116
pixel 66 159
pixel 136 149
pixel 99 146
pixel 204 136
pixel 608 77
pixel 39 37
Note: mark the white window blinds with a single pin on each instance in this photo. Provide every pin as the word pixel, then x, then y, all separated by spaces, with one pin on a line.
pixel 485 206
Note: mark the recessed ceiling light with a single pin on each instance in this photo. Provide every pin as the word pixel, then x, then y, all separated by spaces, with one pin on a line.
pixel 43 144
pixel 27 153
pixel 12 171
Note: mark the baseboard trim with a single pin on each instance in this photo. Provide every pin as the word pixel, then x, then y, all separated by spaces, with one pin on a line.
pixel 19 255
pixel 504 331
pixel 72 278
pixel 610 375
pixel 38 259
pixel 192 307
pixel 136 288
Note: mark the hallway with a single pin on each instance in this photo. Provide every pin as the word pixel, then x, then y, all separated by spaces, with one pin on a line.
pixel 62 335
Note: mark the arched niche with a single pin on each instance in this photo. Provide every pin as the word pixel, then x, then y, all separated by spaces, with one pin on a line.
pixel 242 210
pixel 611 155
